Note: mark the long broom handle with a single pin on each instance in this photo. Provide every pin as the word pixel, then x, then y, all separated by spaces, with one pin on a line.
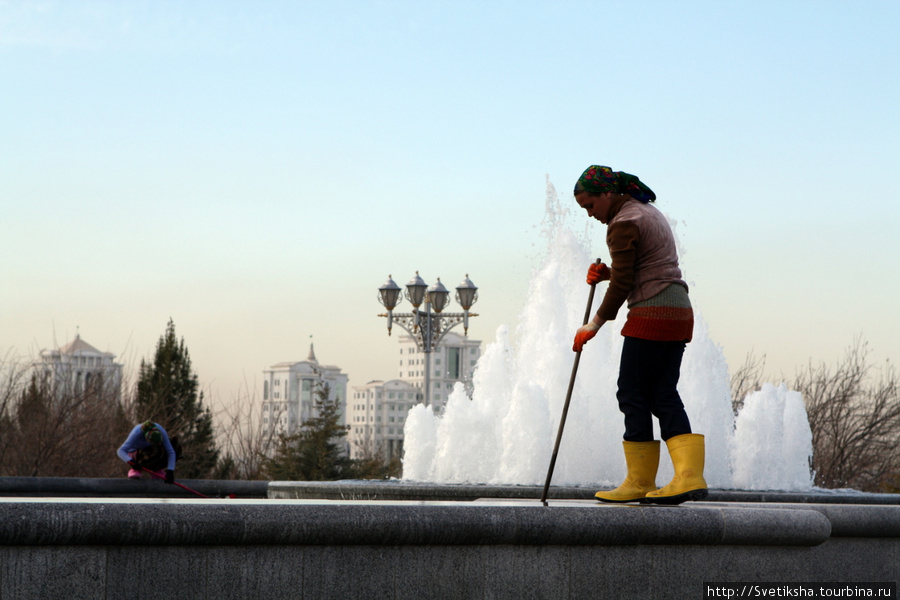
pixel 184 487
pixel 565 412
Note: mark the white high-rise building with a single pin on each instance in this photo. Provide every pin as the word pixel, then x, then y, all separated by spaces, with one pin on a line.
pixel 451 362
pixel 376 413
pixel 290 391
pixel 77 367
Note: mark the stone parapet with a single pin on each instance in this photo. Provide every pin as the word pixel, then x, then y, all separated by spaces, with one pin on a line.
pixel 462 492
pixel 85 487
pixel 237 523
pixel 228 549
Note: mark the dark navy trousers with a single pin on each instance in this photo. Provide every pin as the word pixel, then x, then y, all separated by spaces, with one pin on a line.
pixel 648 381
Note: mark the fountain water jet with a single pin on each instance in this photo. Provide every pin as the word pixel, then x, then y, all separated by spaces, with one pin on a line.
pixel 504 433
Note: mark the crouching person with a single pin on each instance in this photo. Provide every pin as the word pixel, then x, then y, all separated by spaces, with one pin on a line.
pixel 148 446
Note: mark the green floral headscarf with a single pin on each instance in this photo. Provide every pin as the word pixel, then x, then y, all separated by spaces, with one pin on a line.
pixel 598 180
pixel 151 432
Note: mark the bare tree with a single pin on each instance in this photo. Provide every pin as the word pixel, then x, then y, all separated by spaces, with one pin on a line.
pixel 12 376
pixel 245 441
pixel 854 415
pixel 748 378
pixel 62 430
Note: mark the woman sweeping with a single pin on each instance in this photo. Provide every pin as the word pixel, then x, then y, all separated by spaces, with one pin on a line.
pixel 644 272
pixel 148 446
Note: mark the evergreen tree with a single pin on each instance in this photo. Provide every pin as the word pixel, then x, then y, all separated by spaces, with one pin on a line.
pixel 374 465
pixel 314 453
pixel 168 393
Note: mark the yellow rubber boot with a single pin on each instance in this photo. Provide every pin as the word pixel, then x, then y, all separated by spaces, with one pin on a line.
pixel 688 454
pixel 642 460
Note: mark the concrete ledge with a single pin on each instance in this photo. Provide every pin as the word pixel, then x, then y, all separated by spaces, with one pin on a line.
pixel 75 487
pixel 407 490
pixel 818 496
pixel 850 514
pixel 64 487
pixel 234 523
pixel 416 572
pixel 850 520
pixel 164 549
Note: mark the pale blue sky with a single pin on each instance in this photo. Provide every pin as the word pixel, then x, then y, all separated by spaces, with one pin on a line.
pixel 256 170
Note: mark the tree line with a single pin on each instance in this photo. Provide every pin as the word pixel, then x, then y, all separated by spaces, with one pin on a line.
pixel 853 409
pixel 50 428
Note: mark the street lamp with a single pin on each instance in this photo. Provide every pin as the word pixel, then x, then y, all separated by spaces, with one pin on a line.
pixel 424 326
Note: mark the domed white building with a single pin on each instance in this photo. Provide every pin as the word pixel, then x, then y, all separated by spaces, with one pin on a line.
pixel 77 367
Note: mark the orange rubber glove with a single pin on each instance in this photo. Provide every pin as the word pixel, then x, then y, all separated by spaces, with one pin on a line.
pixel 597 273
pixel 584 333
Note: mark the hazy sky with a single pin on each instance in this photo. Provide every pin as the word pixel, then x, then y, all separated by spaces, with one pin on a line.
pixel 254 171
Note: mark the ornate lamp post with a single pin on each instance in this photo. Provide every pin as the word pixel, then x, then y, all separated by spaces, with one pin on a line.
pixel 424 326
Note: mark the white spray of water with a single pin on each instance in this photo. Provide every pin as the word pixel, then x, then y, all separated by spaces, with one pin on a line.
pixel 775 440
pixel 504 433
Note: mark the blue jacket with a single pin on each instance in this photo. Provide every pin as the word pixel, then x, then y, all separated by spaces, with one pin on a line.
pixel 136 441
